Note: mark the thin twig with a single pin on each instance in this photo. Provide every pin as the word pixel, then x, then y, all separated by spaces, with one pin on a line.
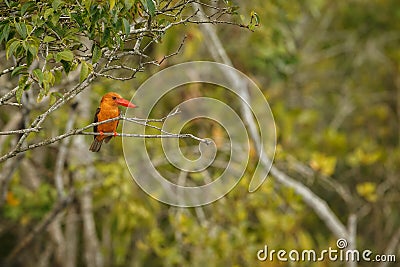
pixel 8 95
pixel 12 104
pixel 20 131
pixel 11 69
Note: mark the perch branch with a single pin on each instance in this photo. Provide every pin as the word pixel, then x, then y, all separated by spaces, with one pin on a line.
pixel 81 131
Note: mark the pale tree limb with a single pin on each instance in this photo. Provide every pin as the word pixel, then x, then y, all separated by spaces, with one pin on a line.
pixel 91 246
pixel 44 257
pixel 71 236
pixel 81 131
pixel 28 130
pixel 55 229
pixel 62 154
pixel 351 238
pixel 93 257
pixel 10 94
pixel 320 207
pixel 58 238
pixel 391 247
pixel 10 69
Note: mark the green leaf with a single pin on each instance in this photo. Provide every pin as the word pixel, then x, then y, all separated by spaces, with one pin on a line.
pixel 56 18
pixel 4 33
pixel 49 56
pixel 322 163
pixel 57 76
pixel 151 8
pixel 56 4
pixel 49 77
pixel 26 6
pixel 18 94
pixel 21 29
pixel 368 191
pixel 53 99
pixel 127 26
pixel 48 39
pixel 48 13
pixel 78 19
pixel 255 19
pixel 12 46
pixel 84 71
pixel 106 36
pixel 33 49
pixel 18 70
pixel 54 96
pixel 88 4
pixel 29 58
pixel 66 65
pixel 112 4
pixel 46 87
pixel 65 55
pixel 96 54
pixel 22 86
pixel 39 75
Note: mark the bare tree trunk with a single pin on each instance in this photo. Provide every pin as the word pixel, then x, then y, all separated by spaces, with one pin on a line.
pixel 92 254
pixel 44 258
pixel 92 251
pixel 71 237
pixel 58 239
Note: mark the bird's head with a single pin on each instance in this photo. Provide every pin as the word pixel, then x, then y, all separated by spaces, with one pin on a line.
pixel 115 99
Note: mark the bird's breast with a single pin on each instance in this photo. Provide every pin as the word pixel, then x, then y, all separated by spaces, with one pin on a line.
pixel 105 114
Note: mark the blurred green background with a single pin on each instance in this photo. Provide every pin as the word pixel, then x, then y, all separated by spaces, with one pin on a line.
pixel 330 71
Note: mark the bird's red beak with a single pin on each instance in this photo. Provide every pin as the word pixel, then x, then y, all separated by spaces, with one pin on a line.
pixel 125 103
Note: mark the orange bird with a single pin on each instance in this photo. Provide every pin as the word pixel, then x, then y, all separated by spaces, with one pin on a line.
pixel 108 109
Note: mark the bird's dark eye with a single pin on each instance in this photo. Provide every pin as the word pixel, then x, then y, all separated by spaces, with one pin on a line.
pixel 114 97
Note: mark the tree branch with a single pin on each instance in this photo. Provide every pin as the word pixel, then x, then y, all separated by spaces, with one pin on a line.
pixel 81 131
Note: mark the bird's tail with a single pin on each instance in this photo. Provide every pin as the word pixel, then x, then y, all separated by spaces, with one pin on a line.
pixel 96 145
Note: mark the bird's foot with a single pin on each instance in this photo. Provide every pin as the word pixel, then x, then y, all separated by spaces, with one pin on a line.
pixel 115 133
pixel 101 133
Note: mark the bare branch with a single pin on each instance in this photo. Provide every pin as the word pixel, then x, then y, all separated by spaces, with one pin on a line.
pixel 171 55
pixel 81 131
pixel 61 157
pixel 11 69
pixel 28 130
pixel 8 95
pixel 12 104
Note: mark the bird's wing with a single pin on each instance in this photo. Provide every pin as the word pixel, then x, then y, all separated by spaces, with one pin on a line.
pixel 95 119
pixel 108 138
pixel 119 113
